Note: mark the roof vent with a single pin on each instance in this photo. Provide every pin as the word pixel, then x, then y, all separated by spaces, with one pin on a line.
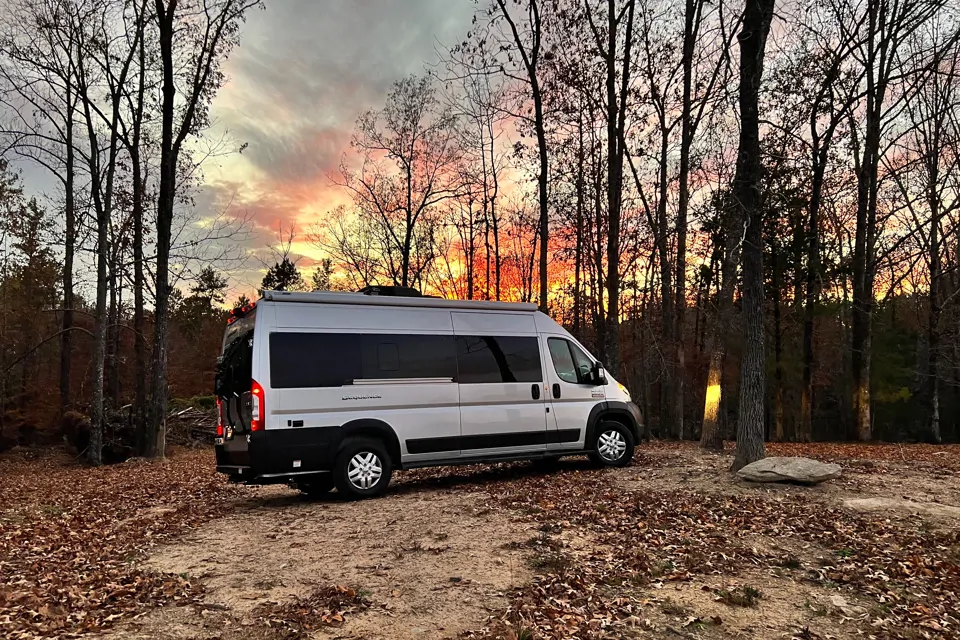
pixel 404 292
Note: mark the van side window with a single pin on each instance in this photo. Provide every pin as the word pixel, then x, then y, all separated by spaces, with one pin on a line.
pixel 306 360
pixel 392 357
pixel 569 360
pixel 312 360
pixel 486 359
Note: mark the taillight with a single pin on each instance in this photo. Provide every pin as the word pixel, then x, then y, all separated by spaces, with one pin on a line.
pixel 219 418
pixel 257 411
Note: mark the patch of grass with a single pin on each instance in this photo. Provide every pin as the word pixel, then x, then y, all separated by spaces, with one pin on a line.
pixel 744 596
pixel 845 553
pixel 52 510
pixel 525 633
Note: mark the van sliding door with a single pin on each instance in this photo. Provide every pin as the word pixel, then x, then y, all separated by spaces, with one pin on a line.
pixel 500 375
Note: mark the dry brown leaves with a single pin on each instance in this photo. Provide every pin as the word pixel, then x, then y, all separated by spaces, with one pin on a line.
pixel 69 535
pixel 325 607
pixel 910 573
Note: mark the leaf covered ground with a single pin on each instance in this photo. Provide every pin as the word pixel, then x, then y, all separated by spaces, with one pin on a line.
pixel 672 546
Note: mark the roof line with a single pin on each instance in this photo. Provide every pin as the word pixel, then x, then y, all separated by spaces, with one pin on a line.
pixel 325 297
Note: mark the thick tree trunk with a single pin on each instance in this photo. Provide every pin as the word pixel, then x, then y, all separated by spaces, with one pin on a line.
pixel 864 254
pixel 155 440
pixel 616 122
pixel 750 420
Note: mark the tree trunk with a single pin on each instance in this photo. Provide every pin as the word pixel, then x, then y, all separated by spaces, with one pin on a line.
pixel 155 440
pixel 668 420
pixel 139 321
pixel 864 242
pixel 70 239
pixel 936 309
pixel 616 122
pixel 778 427
pixel 719 332
pixel 542 192
pixel 812 298
pixel 683 199
pixel 578 251
pixel 750 420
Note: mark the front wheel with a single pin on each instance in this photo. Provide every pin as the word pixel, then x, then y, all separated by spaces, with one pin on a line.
pixel 362 468
pixel 613 445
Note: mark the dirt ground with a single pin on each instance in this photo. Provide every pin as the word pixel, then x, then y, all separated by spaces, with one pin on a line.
pixel 673 546
pixel 444 553
pixel 432 562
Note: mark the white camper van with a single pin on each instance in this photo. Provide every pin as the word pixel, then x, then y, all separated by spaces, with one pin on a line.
pixel 338 389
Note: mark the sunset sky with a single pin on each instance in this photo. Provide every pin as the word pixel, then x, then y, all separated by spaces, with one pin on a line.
pixel 303 73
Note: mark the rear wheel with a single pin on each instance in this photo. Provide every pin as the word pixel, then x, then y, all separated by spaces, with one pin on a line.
pixel 320 485
pixel 613 445
pixel 362 468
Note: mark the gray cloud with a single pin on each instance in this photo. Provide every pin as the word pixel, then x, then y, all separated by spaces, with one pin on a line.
pixel 305 70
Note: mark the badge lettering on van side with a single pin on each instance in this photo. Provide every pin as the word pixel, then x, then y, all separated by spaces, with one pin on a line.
pixel 372 397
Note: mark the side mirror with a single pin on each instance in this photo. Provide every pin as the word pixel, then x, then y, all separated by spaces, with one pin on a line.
pixel 598 375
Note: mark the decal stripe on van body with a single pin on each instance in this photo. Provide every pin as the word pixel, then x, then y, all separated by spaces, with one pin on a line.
pixel 492 441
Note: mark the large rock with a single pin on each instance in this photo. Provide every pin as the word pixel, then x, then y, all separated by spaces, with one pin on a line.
pixel 800 470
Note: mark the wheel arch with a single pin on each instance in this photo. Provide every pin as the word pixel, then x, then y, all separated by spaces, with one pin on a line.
pixel 372 428
pixel 612 411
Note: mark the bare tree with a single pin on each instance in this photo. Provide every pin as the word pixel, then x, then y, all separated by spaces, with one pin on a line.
pixel 746 188
pixel 888 26
pixel 409 154
pixel 37 67
pixel 194 37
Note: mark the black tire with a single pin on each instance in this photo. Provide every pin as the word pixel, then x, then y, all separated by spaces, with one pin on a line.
pixel 605 445
pixel 364 448
pixel 320 485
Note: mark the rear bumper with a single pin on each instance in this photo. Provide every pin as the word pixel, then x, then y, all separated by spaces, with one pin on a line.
pixel 276 455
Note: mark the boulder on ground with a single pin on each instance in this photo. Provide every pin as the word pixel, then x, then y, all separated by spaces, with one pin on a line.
pixel 784 469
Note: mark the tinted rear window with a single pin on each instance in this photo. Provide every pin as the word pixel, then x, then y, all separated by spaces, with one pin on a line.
pixel 484 359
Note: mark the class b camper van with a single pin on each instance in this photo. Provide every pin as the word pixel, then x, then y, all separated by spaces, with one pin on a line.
pixel 337 390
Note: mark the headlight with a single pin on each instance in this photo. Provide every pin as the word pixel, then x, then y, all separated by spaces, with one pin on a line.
pixel 625 391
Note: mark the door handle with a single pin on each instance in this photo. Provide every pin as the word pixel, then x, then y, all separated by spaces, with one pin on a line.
pixel 556 390
pixel 535 391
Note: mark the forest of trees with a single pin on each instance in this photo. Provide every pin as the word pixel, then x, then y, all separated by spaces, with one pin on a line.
pixel 749 212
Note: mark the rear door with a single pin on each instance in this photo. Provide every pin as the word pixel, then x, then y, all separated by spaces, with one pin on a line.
pixel 572 397
pixel 500 376
pixel 232 387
